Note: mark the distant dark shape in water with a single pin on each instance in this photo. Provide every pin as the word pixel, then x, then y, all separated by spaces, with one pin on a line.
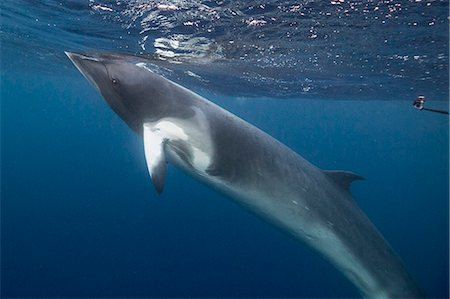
pixel 419 103
pixel 236 158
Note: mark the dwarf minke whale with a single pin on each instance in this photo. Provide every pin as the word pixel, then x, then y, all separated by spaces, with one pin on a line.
pixel 251 167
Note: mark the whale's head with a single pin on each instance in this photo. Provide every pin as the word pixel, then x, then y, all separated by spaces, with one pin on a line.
pixel 134 92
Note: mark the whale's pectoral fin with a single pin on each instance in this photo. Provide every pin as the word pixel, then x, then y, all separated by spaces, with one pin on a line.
pixel 154 155
pixel 343 178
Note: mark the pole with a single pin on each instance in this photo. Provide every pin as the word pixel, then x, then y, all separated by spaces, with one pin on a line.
pixel 436 110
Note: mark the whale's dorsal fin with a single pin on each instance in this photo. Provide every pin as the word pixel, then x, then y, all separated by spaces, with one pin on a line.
pixel 343 178
pixel 154 155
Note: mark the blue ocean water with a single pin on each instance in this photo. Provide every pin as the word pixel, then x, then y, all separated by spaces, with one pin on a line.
pixel 79 215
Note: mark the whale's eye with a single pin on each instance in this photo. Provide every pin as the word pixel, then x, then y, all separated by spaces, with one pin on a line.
pixel 114 81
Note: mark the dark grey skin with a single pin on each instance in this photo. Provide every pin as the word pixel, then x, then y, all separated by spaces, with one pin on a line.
pixel 251 167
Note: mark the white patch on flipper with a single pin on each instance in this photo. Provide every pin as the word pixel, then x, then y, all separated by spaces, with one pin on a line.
pixel 154 155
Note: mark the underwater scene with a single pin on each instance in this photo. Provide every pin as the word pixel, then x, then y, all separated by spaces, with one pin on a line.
pixel 224 149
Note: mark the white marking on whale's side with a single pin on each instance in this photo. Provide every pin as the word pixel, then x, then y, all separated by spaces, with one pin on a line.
pixel 194 137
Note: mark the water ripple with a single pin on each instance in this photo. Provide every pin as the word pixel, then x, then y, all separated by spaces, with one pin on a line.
pixel 348 49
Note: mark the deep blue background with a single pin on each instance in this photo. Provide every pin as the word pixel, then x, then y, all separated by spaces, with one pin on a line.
pixel 80 217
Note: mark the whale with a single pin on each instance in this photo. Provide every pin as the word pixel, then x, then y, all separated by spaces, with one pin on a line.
pixel 250 167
